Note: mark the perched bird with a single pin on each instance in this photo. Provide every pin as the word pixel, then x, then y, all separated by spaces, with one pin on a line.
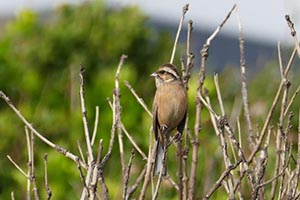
pixel 169 111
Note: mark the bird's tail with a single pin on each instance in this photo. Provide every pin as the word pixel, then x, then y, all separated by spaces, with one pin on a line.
pixel 160 161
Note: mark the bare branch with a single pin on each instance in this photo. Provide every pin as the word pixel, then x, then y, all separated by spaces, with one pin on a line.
pixel 84 117
pixel 44 139
pixel 125 185
pixel 293 33
pixel 115 122
pixel 131 138
pixel 244 82
pixel 222 177
pixel 184 10
pixel 17 166
pixel 139 99
pixel 271 111
pixel 195 140
pixel 95 125
pixel 48 190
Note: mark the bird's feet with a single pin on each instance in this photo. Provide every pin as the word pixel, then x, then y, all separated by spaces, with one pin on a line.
pixel 177 137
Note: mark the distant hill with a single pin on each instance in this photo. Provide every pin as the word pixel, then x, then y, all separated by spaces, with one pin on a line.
pixel 224 49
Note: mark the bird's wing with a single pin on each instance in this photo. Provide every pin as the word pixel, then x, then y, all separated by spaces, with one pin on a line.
pixel 155 121
pixel 181 125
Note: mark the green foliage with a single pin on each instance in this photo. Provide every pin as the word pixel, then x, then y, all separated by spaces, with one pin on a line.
pixel 40 58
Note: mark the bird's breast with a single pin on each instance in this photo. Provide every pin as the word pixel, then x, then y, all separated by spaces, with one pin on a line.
pixel 172 104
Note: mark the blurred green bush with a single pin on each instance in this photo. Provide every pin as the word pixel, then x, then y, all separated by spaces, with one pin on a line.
pixel 40 57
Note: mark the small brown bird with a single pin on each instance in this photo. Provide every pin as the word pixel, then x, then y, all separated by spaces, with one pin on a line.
pixel 169 111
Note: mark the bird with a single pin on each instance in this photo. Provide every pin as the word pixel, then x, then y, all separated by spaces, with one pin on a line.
pixel 169 111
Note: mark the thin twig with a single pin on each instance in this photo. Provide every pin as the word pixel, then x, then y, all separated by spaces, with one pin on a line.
pixel 80 151
pixel 28 142
pixel 298 158
pixel 190 57
pixel 216 79
pixel 32 166
pixel 280 60
pixel 197 128
pixel 244 82
pixel 184 10
pixel 173 183
pixel 138 181
pixel 95 125
pixel 90 158
pixel 12 196
pixel 222 177
pixel 150 162
pixel 292 100
pixel 131 138
pixel 100 149
pixel 185 78
pixel 271 111
pixel 48 190
pixel 84 116
pixel 139 99
pixel 179 167
pixel 44 139
pixel 104 186
pixel 293 33
pixel 81 175
pixel 17 166
pixel 114 125
pixel 125 185
pixel 155 195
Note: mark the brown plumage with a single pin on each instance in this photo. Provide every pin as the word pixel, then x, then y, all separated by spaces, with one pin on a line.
pixel 169 110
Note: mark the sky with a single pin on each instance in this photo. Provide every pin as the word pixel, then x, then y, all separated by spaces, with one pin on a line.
pixel 262 20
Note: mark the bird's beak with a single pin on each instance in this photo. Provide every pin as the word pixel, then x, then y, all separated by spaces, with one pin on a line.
pixel 154 74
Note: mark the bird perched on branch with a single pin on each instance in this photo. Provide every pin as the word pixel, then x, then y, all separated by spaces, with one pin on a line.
pixel 169 111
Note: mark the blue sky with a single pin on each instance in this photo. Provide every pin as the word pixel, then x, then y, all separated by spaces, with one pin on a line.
pixel 262 20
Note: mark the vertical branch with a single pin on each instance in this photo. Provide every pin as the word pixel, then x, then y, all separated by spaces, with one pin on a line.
pixel 280 60
pixel 32 173
pixel 117 108
pixel 179 167
pixel 12 196
pixel 184 10
pixel 114 125
pixel 185 177
pixel 190 57
pixel 186 77
pixel 244 82
pixel 84 116
pixel 150 161
pixel 125 186
pixel 90 159
pixel 285 157
pixel 29 162
pixel 48 190
pixel 272 109
pixel 277 164
pixel 298 159
pixel 195 139
pixel 95 126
